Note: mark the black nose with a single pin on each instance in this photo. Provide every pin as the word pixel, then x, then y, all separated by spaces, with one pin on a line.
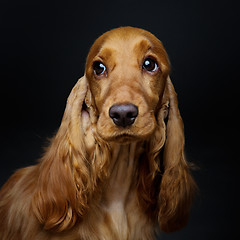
pixel 123 115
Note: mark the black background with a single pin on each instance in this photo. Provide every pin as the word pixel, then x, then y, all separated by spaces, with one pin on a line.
pixel 43 47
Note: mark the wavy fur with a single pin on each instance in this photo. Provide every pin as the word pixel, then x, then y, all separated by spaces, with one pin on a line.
pixel 97 180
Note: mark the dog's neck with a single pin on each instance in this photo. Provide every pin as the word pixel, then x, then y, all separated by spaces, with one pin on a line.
pixel 122 174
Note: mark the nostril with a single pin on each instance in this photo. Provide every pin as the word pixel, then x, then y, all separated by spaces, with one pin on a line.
pixel 123 115
pixel 132 114
pixel 113 113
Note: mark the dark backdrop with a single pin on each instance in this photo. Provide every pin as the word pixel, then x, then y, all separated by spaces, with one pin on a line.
pixel 43 47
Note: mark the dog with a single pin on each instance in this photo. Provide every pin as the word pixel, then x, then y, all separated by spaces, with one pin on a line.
pixel 116 168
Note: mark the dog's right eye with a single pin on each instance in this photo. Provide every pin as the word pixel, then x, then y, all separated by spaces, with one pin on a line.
pixel 99 68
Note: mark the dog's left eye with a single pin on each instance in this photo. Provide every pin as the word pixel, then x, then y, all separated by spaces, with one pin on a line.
pixel 150 65
pixel 99 68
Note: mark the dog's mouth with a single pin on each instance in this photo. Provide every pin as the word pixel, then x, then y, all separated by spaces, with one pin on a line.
pixel 116 130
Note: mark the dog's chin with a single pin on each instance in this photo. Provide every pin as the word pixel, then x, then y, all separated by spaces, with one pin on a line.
pixel 126 137
pixel 122 139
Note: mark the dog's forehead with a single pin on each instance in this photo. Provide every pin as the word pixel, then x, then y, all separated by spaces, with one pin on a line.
pixel 124 46
pixel 129 36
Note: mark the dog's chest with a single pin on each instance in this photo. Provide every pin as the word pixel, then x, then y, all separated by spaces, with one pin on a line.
pixel 120 190
pixel 117 216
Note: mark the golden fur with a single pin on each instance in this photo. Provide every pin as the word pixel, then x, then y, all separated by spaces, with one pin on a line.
pixel 98 180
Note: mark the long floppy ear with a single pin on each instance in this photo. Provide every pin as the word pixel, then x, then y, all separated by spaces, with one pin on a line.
pixel 177 185
pixel 64 182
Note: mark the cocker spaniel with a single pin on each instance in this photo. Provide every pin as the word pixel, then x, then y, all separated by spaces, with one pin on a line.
pixel 116 168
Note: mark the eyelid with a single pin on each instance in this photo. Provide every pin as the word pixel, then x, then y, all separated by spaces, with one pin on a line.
pixel 151 57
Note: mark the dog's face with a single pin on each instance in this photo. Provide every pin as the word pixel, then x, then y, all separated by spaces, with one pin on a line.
pixel 126 70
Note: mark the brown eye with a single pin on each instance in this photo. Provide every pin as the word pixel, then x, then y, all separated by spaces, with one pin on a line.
pixel 150 65
pixel 99 68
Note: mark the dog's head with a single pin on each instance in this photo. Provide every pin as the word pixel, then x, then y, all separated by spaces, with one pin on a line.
pixel 127 69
